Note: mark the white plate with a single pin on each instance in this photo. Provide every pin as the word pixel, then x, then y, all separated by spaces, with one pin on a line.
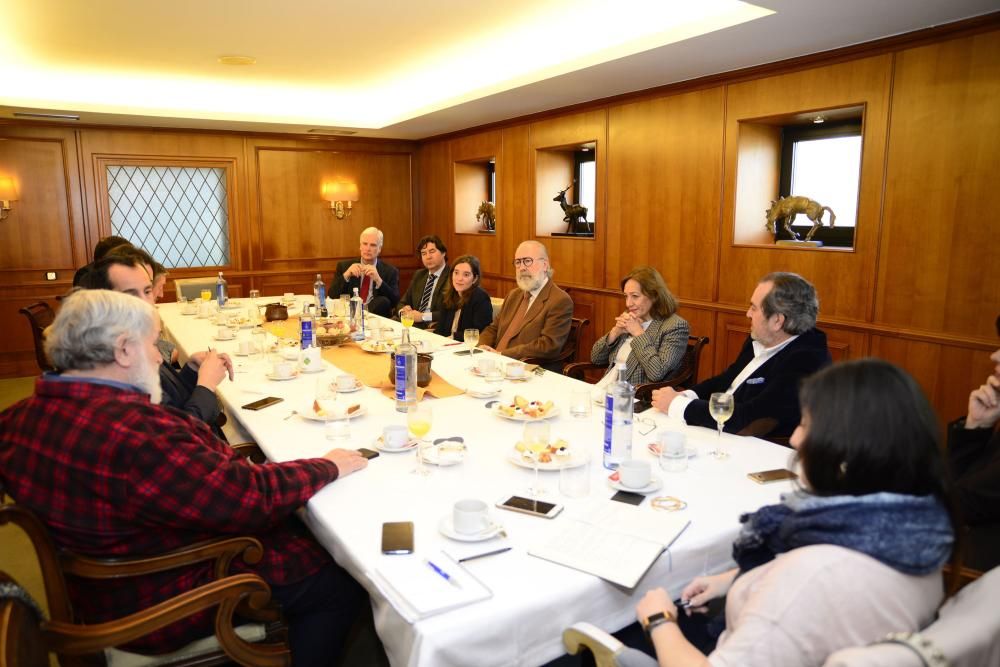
pixel 655 484
pixel 232 305
pixel 378 347
pixel 191 314
pixel 307 413
pixel 451 456
pixel 575 460
pixel 278 378
pixel 245 354
pixel 654 449
pixel 523 417
pixel 358 386
pixel 408 447
pixel 318 369
pixel 447 528
pixel 224 340
pixel 522 378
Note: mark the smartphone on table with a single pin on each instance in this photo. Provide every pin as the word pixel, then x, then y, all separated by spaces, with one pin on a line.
pixel 397 537
pixel 768 476
pixel 530 506
pixel 263 403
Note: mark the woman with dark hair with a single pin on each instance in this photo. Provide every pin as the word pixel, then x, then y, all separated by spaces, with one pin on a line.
pixel 466 305
pixel 853 554
pixel 650 337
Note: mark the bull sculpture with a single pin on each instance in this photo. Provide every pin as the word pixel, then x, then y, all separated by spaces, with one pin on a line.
pixel 787 208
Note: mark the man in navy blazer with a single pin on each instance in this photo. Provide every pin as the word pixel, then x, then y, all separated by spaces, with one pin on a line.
pixel 377 281
pixel 434 256
pixel 784 347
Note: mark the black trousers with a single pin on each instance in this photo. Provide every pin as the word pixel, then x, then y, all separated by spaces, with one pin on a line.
pixel 320 611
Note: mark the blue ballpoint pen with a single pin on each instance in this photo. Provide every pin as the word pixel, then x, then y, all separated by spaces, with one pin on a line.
pixel 447 577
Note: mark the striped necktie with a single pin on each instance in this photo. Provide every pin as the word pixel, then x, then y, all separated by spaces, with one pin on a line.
pixel 425 299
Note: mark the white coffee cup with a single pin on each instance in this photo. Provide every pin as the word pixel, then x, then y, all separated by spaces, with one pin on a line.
pixel 470 517
pixel 394 436
pixel 290 353
pixel 282 369
pixel 190 308
pixel 223 333
pixel 634 474
pixel 346 382
pixel 673 451
pixel 485 364
pixel 205 309
pixel 515 369
pixel 289 297
pixel 246 347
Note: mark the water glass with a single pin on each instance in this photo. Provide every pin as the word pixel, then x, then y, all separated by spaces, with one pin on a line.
pixel 579 403
pixel 673 451
pixel 574 482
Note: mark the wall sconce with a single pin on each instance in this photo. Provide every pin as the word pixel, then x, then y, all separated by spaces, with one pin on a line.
pixel 339 192
pixel 8 193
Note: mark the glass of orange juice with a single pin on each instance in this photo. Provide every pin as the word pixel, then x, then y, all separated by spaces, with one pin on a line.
pixel 206 295
pixel 418 420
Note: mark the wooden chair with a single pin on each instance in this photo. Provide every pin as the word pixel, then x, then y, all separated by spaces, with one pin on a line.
pixel 39 315
pixel 686 373
pixel 191 288
pixel 568 349
pixel 80 644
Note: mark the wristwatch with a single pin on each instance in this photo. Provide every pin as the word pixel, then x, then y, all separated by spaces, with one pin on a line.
pixel 652 621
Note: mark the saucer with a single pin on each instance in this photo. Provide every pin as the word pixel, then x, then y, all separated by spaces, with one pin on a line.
pixel 654 449
pixel 488 393
pixel 655 484
pixel 452 455
pixel 447 528
pixel 193 312
pixel 318 369
pixel 224 340
pixel 358 386
pixel 246 354
pixel 272 376
pixel 307 413
pixel 408 447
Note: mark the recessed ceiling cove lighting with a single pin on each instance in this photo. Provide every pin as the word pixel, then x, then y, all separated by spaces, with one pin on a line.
pixel 237 60
pixel 46 116
pixel 331 131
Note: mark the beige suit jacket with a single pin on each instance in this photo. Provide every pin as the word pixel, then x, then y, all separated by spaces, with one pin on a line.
pixel 545 326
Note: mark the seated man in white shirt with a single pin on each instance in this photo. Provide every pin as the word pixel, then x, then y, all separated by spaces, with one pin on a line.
pixel 783 348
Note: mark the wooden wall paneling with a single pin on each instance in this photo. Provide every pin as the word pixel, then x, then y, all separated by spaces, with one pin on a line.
pixel 516 197
pixel 940 251
pixel 435 199
pixel 577 261
pixel 664 182
pixel 487 247
pixel 947 373
pixel 842 278
pixel 758 169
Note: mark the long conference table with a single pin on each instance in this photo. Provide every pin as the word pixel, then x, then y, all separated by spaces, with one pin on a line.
pixel 533 600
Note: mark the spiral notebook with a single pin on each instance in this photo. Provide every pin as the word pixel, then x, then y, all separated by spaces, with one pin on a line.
pixel 417 589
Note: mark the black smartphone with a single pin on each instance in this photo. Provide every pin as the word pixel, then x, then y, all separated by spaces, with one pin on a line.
pixel 628 497
pixel 397 537
pixel 367 453
pixel 263 403
pixel 530 506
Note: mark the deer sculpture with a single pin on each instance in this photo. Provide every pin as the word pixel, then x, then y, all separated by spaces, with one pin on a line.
pixel 575 214
pixel 787 208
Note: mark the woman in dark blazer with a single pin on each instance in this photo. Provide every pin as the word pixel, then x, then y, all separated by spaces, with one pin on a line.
pixel 650 336
pixel 466 305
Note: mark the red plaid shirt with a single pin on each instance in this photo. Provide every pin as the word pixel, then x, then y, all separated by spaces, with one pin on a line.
pixel 111 475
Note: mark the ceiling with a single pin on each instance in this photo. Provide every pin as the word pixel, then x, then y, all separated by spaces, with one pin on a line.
pixel 394 69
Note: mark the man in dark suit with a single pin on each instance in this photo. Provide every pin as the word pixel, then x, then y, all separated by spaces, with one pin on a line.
pixel 423 297
pixel 784 347
pixel 377 282
pixel 536 315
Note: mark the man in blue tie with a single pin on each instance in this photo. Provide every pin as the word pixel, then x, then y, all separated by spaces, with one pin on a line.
pixel 422 300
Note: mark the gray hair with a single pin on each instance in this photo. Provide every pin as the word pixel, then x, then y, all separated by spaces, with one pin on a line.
pixel 373 230
pixel 794 297
pixel 90 324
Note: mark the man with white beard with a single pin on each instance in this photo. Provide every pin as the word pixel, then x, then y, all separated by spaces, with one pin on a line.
pixel 111 474
pixel 536 316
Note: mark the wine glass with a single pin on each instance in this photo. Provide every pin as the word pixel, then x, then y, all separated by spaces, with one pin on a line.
pixel 472 339
pixel 720 406
pixel 536 440
pixel 418 420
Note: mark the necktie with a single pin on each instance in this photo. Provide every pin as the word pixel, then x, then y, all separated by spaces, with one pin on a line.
pixel 515 324
pixel 425 299
pixel 366 284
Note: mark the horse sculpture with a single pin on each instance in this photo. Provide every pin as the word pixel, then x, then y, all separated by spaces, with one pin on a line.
pixel 575 214
pixel 787 208
pixel 487 216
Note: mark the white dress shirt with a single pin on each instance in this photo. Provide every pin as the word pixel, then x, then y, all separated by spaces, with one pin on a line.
pixel 427 315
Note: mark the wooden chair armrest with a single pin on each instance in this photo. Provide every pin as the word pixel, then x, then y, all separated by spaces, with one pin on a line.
pixel 578 369
pixel 71 639
pixel 222 551
pixel 250 450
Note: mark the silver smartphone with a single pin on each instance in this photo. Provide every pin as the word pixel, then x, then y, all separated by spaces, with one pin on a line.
pixel 530 506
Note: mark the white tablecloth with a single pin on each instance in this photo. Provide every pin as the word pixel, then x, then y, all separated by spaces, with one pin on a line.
pixel 534 600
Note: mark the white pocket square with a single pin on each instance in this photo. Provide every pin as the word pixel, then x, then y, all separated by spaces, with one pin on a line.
pixel 755 381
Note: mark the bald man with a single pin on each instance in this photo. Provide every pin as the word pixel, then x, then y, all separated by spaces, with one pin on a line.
pixel 536 316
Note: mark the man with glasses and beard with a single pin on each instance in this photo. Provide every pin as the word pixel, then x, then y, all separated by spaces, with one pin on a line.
pixel 112 474
pixel 536 316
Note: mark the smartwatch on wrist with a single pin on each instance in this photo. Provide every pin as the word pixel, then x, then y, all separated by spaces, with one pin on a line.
pixel 653 621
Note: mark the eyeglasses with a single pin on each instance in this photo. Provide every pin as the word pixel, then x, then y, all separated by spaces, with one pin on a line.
pixel 646 425
pixel 526 262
